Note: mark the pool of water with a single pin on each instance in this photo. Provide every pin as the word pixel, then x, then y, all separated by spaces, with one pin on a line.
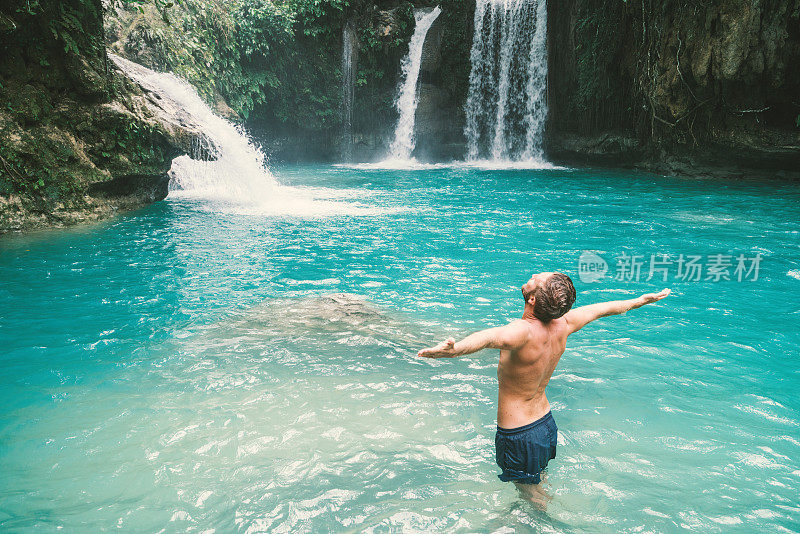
pixel 184 366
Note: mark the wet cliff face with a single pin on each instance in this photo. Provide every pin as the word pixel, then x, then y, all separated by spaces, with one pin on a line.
pixel 675 82
pixel 78 141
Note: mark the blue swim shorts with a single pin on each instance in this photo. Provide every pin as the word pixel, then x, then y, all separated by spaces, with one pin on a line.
pixel 523 452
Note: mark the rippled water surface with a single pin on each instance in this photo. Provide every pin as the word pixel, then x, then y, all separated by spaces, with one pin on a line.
pixel 185 367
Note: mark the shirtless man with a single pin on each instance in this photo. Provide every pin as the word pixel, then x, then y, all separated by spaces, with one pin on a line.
pixel 530 348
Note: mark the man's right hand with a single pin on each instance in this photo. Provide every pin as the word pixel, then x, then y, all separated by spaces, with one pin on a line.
pixel 442 350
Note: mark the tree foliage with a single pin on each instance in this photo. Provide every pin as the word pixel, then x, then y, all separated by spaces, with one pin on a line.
pixel 274 61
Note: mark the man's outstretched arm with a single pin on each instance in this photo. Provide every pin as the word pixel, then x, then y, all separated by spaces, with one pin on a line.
pixel 502 337
pixel 580 317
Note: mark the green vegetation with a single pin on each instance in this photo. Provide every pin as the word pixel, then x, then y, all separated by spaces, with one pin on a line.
pixel 64 20
pixel 277 62
pixel 600 95
pixel 43 35
pixel 220 48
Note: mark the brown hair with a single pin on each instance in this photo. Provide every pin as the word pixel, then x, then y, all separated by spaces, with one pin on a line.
pixel 554 298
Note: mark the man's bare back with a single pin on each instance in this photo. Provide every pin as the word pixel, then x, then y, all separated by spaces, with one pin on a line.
pixel 524 372
pixel 530 349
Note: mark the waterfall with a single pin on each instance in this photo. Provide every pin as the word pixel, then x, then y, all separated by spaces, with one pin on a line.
pixel 407 99
pixel 238 174
pixel 349 59
pixel 506 104
pixel 237 180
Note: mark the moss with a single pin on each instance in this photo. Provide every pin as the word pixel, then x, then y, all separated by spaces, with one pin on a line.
pixel 67 123
pixel 28 103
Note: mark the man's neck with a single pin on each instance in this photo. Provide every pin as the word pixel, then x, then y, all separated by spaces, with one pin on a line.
pixel 527 313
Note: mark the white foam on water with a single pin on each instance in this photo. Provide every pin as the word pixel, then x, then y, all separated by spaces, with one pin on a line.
pixel 485 164
pixel 522 164
pixel 393 164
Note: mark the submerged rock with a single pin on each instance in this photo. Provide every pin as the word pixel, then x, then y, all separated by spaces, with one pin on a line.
pixel 338 316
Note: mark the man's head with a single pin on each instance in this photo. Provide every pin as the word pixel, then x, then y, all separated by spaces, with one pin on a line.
pixel 550 294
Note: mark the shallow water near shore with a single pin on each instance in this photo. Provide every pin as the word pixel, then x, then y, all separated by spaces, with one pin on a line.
pixel 186 367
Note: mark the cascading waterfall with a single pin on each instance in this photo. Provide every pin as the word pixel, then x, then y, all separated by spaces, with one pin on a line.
pixel 407 99
pixel 506 105
pixel 349 58
pixel 238 174
pixel 238 179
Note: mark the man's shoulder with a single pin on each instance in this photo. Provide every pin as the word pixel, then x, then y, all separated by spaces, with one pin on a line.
pixel 520 326
pixel 516 333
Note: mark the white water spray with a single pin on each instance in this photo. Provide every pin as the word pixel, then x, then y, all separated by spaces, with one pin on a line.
pixel 506 106
pixel 349 54
pixel 238 180
pixel 407 99
pixel 238 174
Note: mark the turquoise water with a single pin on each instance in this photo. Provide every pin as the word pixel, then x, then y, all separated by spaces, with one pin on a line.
pixel 181 367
